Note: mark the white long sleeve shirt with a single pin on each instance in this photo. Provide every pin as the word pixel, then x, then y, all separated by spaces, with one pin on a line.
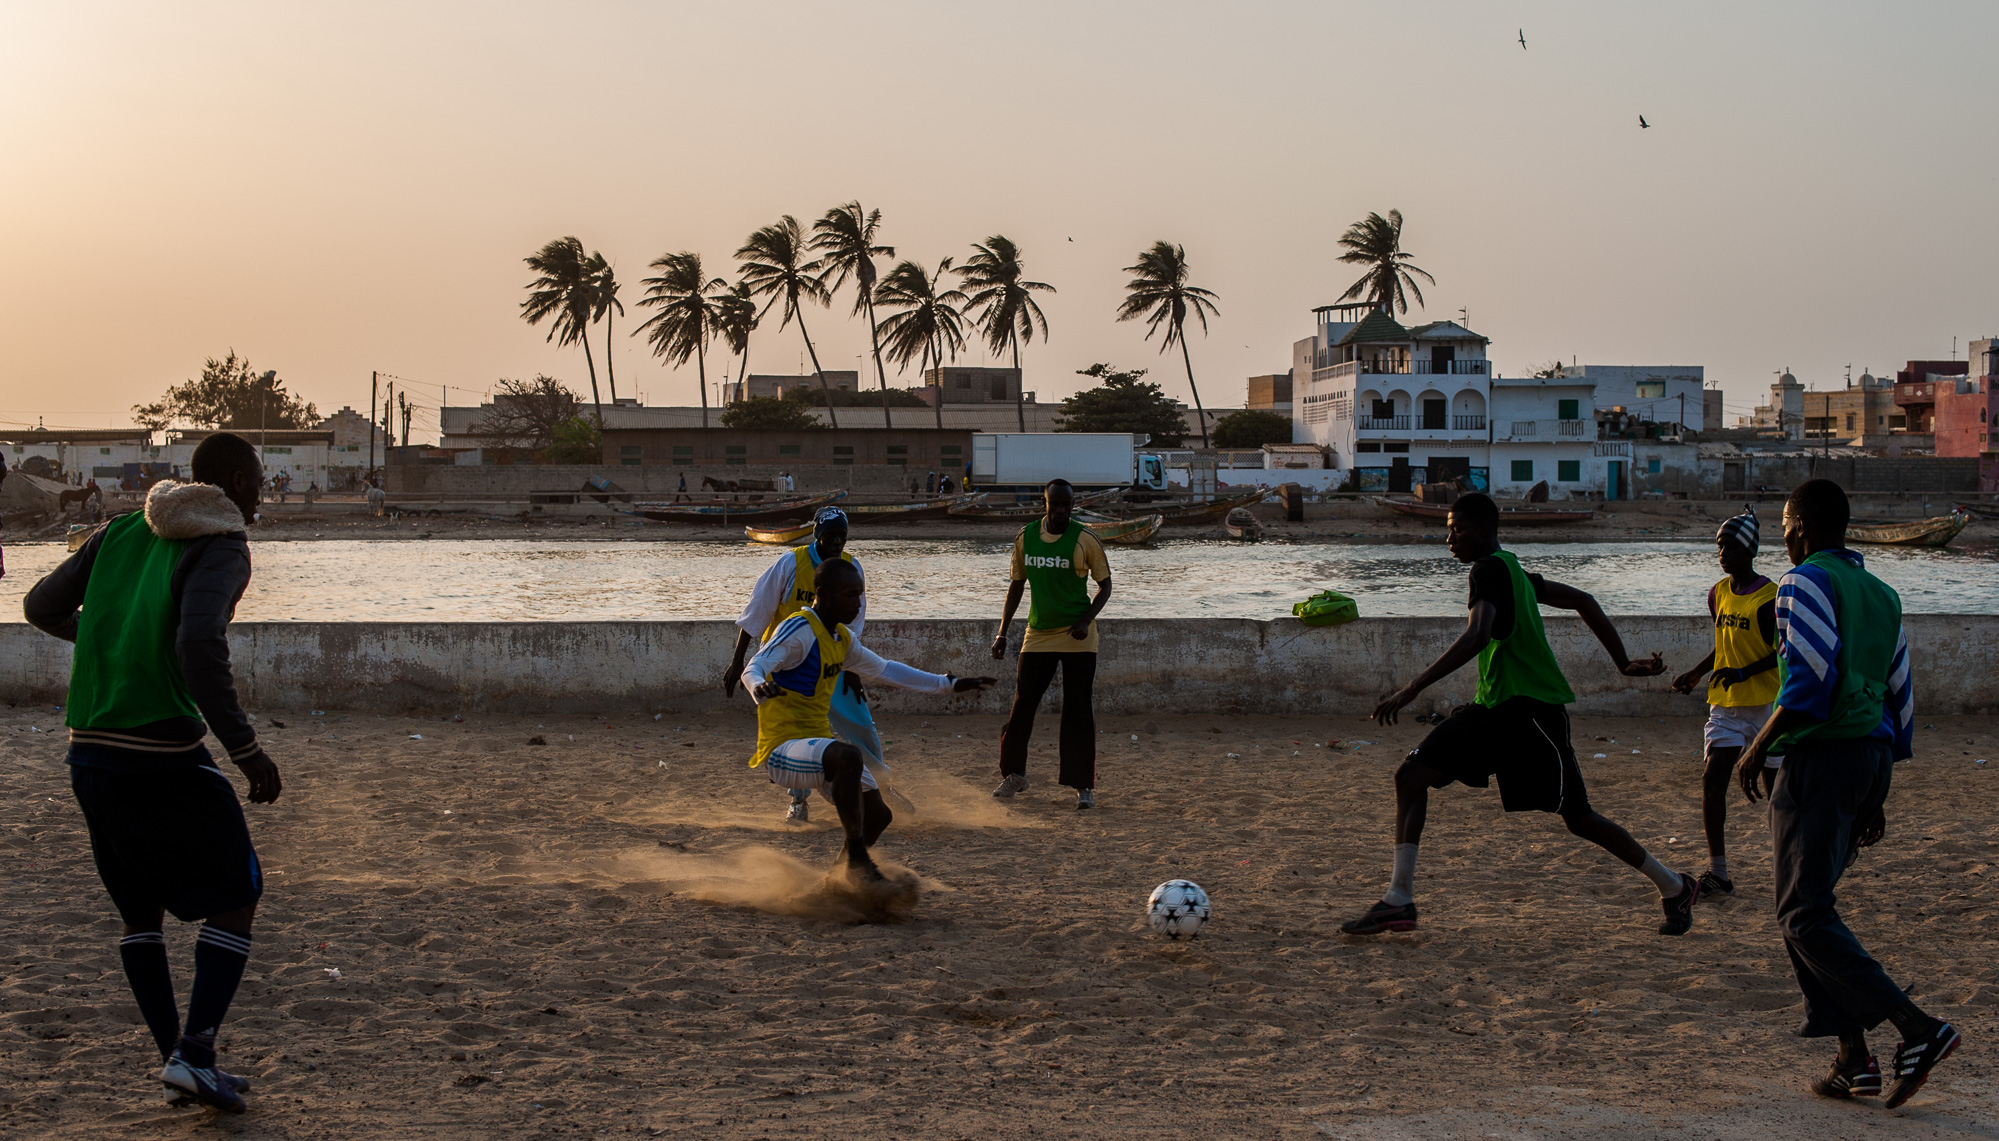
pixel 794 641
pixel 774 586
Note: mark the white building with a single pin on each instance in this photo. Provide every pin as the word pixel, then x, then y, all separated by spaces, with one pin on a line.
pixel 1396 406
pixel 1665 394
pixel 1545 429
pixel 1785 411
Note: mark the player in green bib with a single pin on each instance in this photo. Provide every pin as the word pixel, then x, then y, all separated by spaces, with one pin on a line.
pixel 1517 726
pixel 1056 557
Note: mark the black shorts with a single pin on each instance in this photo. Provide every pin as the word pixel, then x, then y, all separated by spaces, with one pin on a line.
pixel 174 839
pixel 1525 743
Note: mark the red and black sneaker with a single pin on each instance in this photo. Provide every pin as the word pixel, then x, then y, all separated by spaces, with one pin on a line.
pixel 1680 908
pixel 1915 1060
pixel 1383 917
pixel 1860 1077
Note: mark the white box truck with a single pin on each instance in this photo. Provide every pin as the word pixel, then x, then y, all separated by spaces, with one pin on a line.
pixel 1026 461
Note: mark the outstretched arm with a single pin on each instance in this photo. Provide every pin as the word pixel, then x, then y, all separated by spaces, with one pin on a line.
pixel 869 666
pixel 1566 597
pixel 1478 631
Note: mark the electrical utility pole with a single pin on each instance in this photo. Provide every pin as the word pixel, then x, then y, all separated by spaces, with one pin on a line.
pixel 374 393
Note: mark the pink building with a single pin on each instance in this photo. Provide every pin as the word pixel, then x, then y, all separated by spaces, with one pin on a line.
pixel 1967 409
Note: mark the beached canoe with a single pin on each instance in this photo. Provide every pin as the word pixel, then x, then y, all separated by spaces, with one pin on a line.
pixel 1124 532
pixel 1932 532
pixel 909 512
pixel 756 509
pixel 1023 511
pixel 1240 524
pixel 1201 511
pixel 785 536
pixel 1508 516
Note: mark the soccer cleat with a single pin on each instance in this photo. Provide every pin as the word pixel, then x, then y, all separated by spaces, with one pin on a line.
pixel 1086 798
pixel 1680 908
pixel 1915 1060
pixel 800 812
pixel 1010 784
pixel 177 1096
pixel 206 1086
pixel 1712 884
pixel 1383 917
pixel 1858 1078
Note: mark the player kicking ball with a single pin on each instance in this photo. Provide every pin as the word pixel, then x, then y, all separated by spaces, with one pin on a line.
pixel 1518 725
pixel 792 679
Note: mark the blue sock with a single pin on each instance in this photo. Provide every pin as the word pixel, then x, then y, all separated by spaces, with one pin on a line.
pixel 219 958
pixel 144 954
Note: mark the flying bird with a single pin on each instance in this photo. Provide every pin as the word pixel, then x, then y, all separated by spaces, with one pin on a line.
pixel 1523 39
pixel 1072 239
pixel 1642 124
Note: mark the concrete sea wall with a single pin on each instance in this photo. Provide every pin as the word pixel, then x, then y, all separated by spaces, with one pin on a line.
pixel 1223 666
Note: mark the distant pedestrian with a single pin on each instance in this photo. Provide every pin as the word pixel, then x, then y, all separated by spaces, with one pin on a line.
pixel 930 484
pixel 1056 556
pixel 946 487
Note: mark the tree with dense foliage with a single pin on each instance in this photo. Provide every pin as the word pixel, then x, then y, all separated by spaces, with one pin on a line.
pixel 685 316
pixel 845 240
pixel 1123 401
pixel 768 414
pixel 564 291
pixel 774 265
pixel 1252 428
pixel 1158 292
pixel 1002 302
pixel 736 317
pixel 1376 242
pixel 228 394
pixel 576 441
pixel 603 300
pixel 927 323
pixel 525 413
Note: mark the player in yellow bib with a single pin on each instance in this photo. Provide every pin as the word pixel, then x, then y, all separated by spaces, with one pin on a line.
pixel 1742 685
pixel 784 589
pixel 793 677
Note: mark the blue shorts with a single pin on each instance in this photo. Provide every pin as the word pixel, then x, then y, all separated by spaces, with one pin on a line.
pixel 802 764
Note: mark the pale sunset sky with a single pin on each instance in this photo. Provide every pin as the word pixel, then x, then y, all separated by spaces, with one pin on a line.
pixel 333 189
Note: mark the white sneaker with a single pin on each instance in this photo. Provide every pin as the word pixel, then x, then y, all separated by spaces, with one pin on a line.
pixel 1086 798
pixel 1010 784
pixel 206 1086
pixel 800 812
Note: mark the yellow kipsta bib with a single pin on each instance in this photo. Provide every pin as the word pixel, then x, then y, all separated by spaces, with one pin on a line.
pixel 1739 643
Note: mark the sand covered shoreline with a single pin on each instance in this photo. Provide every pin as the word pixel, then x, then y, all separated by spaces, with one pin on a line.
pixel 601 935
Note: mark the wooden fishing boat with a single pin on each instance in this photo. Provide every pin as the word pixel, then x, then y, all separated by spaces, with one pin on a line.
pixel 1123 532
pixel 1203 511
pixel 1240 524
pixel 1022 512
pixel 909 512
pixel 1508 516
pixel 785 536
pixel 1933 532
pixel 723 512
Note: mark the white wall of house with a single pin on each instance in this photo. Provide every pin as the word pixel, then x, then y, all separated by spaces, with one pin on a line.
pixel 1655 392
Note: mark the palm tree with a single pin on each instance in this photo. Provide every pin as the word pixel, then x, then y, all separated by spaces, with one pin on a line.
pixel 687 317
pixel 736 317
pixel 1376 242
pixel 927 323
pixel 845 239
pixel 1160 294
pixel 604 298
pixel 562 290
pixel 1004 300
pixel 774 263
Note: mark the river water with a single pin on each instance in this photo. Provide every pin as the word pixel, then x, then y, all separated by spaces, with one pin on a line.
pixel 533 580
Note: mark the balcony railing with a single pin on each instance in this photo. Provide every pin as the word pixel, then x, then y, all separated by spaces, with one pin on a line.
pixel 1384 423
pixel 1467 423
pixel 1454 368
pixel 1550 430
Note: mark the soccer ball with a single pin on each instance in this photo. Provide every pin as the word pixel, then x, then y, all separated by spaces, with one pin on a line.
pixel 1177 908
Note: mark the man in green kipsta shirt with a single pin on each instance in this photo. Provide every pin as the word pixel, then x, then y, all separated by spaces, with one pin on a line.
pixel 1518 725
pixel 1056 555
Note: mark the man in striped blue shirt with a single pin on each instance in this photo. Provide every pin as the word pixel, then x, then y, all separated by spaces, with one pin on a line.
pixel 1844 716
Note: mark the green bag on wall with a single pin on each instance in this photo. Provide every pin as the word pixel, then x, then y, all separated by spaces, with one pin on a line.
pixel 1326 608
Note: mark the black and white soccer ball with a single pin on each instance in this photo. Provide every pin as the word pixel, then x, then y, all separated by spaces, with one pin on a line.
pixel 1178 909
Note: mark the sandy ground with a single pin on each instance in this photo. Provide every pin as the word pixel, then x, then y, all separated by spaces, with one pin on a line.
pixel 612 934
